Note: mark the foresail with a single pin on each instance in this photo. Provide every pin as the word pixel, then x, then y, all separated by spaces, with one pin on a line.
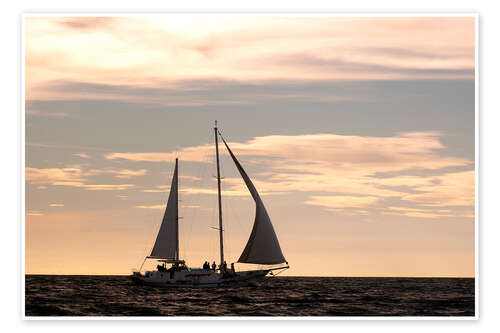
pixel 262 246
pixel 166 245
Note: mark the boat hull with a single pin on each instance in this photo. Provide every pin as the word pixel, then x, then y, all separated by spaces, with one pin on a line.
pixel 190 279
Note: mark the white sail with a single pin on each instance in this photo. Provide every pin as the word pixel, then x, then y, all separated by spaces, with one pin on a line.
pixel 167 241
pixel 262 246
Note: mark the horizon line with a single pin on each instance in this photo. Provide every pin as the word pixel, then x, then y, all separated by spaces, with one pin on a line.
pixel 301 276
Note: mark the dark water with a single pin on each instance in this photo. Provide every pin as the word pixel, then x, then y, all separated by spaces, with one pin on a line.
pixel 51 295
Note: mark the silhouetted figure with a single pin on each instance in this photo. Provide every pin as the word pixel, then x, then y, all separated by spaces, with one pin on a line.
pixel 214 266
pixel 224 266
pixel 232 267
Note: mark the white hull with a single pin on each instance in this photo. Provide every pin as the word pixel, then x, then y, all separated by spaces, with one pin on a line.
pixel 197 278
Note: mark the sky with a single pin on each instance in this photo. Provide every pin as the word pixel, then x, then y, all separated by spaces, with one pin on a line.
pixel 358 133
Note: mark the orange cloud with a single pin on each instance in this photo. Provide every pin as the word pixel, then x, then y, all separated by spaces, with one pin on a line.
pixel 35 213
pixel 163 206
pixel 52 175
pixel 342 201
pixel 75 176
pixel 122 173
pixel 450 189
pixel 193 154
pixel 151 207
pixel 238 47
pixel 38 113
pixel 108 187
pixel 346 165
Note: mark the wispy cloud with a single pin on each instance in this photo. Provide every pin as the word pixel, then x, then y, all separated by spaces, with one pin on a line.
pixel 239 48
pixel 342 201
pixel 162 207
pixel 450 189
pixel 82 24
pixel 118 173
pixel 35 213
pixel 151 206
pixel 108 187
pixel 39 113
pixel 418 212
pixel 56 205
pixel 347 166
pixel 77 176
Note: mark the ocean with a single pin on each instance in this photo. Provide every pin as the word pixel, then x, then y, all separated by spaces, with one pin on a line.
pixel 60 295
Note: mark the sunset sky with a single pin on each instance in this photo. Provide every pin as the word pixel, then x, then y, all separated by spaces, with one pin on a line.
pixel 357 132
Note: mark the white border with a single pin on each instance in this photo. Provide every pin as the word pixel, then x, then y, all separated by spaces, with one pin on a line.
pixel 23 167
pixel 476 165
pixel 302 13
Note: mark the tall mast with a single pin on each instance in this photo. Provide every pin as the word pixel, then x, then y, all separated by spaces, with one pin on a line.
pixel 177 212
pixel 219 196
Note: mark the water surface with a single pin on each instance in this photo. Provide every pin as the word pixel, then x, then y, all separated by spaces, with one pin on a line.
pixel 57 295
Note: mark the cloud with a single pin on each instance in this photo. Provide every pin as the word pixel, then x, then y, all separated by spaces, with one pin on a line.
pixel 52 175
pixel 195 154
pixel 151 207
pixel 342 201
pixel 56 205
pixel 162 207
pixel 108 187
pixel 35 213
pixel 207 91
pixel 344 174
pixel 146 50
pixel 76 176
pixel 86 23
pixel 81 155
pixel 315 153
pixel 450 189
pixel 352 171
pixel 38 113
pixel 120 173
pixel 420 212
pixel 369 68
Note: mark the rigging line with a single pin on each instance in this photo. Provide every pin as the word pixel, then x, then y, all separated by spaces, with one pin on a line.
pixel 210 212
pixel 268 278
pixel 204 183
pixel 227 202
pixel 227 229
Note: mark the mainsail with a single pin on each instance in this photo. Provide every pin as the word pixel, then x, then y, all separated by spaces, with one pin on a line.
pixel 262 246
pixel 167 241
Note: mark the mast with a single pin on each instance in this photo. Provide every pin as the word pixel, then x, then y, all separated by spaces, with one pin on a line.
pixel 177 212
pixel 219 196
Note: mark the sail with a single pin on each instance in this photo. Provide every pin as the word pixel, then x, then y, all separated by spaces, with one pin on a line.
pixel 262 246
pixel 167 241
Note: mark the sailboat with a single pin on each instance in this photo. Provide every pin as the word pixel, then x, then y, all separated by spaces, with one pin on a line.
pixel 262 248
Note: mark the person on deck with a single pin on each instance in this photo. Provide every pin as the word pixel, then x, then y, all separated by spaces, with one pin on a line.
pixel 214 266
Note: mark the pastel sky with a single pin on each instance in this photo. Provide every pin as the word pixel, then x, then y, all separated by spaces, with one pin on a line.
pixel 358 133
